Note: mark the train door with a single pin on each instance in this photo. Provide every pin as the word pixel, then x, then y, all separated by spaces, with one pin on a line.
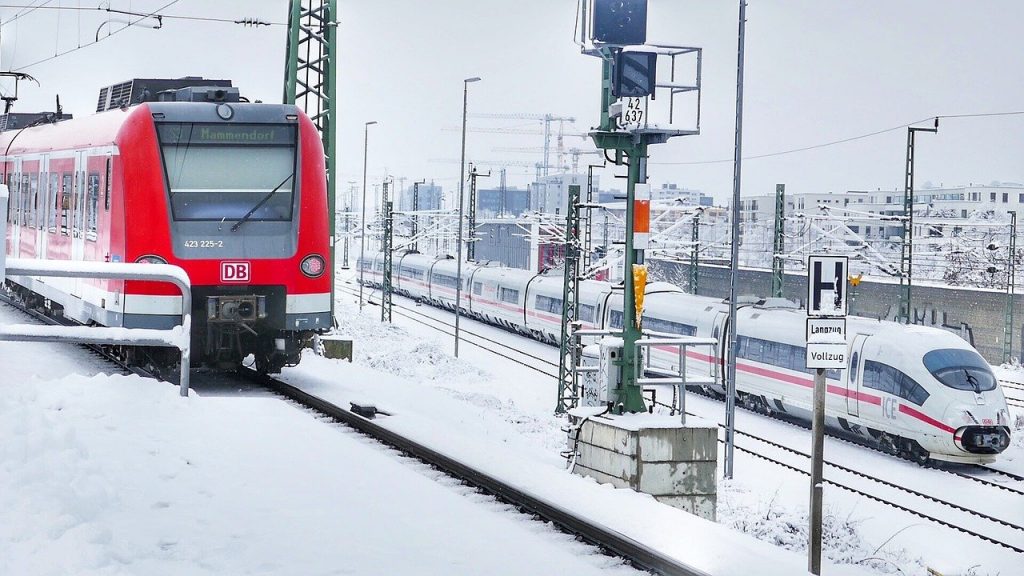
pixel 718 330
pixel 42 207
pixel 78 218
pixel 78 209
pixel 15 208
pixel 855 374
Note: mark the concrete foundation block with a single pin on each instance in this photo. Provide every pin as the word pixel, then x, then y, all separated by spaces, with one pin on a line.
pixel 337 347
pixel 676 464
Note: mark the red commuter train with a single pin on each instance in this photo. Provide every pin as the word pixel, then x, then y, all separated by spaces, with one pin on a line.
pixel 188 173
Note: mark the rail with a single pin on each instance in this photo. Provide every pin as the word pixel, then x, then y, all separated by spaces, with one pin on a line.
pixel 177 337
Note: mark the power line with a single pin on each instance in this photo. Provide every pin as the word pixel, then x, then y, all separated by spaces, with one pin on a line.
pixel 248 21
pixel 25 11
pixel 843 141
pixel 152 14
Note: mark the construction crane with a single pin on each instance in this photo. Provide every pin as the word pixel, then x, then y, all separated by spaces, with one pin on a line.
pixel 499 163
pixel 547 120
pixel 574 152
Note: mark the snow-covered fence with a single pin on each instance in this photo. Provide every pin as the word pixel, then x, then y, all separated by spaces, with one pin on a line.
pixel 177 337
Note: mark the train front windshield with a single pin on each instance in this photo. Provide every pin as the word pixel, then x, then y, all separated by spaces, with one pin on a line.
pixel 960 369
pixel 229 171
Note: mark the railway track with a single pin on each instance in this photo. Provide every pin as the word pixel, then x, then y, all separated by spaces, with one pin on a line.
pixel 609 541
pixel 758 450
pixel 1014 392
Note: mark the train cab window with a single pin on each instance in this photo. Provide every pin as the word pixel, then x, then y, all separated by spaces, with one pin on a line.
pixel 65 205
pixel 229 171
pixel 960 369
pixel 92 205
pixel 54 202
pixel 508 295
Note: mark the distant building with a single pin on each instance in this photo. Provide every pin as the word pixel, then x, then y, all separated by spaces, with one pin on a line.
pixel 431 197
pixel 549 194
pixel 493 202
pixel 955 203
pixel 672 193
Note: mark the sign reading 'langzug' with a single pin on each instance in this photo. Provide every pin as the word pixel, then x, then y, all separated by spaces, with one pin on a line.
pixel 173 133
pixel 826 312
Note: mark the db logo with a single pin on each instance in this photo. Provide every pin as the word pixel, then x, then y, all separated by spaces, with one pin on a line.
pixel 237 272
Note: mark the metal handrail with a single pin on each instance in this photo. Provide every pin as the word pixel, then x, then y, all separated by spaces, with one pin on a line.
pixel 652 338
pixel 178 337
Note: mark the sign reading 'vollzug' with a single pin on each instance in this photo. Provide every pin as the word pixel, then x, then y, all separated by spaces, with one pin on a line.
pixel 826 312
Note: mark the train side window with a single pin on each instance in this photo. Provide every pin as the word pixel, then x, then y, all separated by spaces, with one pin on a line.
pixel 547 304
pixel 26 201
pixel 33 201
pixel 586 313
pixel 615 319
pixel 853 367
pixel 78 207
pixel 10 199
pixel 65 205
pixel 880 377
pixel 478 288
pixel 911 390
pixel 54 201
pixel 510 295
pixel 92 205
pixel 106 185
pixel 43 200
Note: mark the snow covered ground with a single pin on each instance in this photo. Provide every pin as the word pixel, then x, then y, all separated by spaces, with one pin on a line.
pixel 514 404
pixel 119 475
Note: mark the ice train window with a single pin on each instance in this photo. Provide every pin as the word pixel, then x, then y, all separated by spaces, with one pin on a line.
pixel 960 369
pixel 853 367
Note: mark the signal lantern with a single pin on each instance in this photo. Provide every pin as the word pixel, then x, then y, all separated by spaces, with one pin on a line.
pixel 620 22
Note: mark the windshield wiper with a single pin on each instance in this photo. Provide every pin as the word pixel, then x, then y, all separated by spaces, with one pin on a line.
pixel 973 381
pixel 242 220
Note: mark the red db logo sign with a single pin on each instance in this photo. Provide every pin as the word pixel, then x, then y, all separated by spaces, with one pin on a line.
pixel 234 272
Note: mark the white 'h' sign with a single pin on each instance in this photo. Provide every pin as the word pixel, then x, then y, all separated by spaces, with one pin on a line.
pixel 826 285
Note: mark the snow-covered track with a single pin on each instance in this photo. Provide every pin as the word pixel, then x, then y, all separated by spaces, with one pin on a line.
pixel 886 492
pixel 608 540
pixel 901 507
pixel 939 508
pixel 472 338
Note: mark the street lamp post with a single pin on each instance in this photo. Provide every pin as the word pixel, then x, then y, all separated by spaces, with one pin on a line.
pixel 362 233
pixel 462 182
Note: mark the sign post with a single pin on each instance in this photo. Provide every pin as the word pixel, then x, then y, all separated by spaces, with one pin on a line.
pixel 826 349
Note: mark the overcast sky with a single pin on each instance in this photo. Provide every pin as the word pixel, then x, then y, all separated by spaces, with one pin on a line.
pixel 816 71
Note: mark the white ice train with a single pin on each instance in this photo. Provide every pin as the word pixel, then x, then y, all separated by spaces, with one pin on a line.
pixel 921 393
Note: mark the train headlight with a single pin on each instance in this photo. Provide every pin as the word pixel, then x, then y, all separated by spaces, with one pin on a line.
pixel 313 265
pixel 150 259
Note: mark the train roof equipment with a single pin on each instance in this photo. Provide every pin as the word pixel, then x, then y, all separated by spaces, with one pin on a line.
pixel 141 90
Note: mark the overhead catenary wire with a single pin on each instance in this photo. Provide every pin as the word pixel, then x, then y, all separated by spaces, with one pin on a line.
pixel 843 140
pixel 248 20
pixel 152 14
